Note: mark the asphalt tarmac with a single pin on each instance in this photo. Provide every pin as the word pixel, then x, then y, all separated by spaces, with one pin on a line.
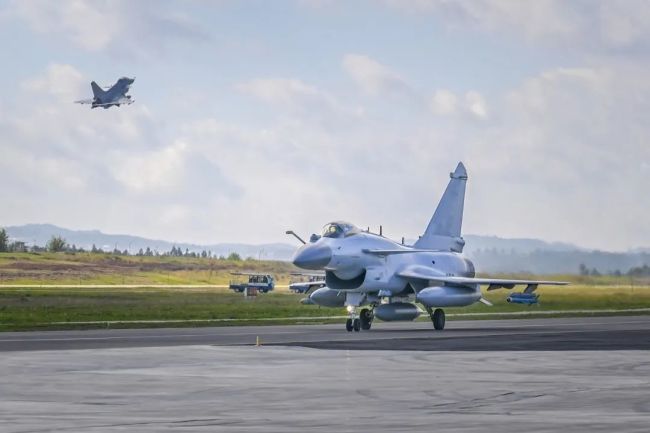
pixel 593 333
pixel 215 380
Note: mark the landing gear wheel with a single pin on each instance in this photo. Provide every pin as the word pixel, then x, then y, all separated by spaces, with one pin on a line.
pixel 348 325
pixel 356 324
pixel 438 319
pixel 366 317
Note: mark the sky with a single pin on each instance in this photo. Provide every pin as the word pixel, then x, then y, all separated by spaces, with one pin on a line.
pixel 254 117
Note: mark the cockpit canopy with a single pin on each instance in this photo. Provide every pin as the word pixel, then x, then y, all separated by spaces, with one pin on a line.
pixel 340 229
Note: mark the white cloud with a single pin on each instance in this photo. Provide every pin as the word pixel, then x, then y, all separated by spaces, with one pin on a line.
pixel 119 26
pixel 58 124
pixel 61 81
pixel 624 23
pixel 301 99
pixel 561 155
pixel 476 104
pixel 74 166
pixel 553 150
pixel 89 25
pixel 284 91
pixel 595 25
pixel 373 77
pixel 446 103
pixel 154 171
pixel 567 156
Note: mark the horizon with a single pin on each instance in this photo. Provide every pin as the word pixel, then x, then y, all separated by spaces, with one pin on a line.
pixel 251 118
pixel 290 242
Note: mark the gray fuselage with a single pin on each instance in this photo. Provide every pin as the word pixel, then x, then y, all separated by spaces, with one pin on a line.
pixel 350 268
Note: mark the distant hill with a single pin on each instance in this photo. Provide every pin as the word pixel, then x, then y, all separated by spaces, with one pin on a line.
pixel 489 253
pixel 522 245
pixel 39 234
pixel 556 262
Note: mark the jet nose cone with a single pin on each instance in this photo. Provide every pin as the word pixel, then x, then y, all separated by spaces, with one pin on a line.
pixel 312 256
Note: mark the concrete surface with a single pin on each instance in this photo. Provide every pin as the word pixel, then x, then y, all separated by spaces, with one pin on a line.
pixel 117 380
pixel 280 389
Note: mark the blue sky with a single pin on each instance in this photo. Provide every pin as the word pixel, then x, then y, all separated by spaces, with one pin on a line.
pixel 253 117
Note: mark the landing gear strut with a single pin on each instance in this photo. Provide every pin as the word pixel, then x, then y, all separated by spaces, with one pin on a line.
pixel 437 317
pixel 366 317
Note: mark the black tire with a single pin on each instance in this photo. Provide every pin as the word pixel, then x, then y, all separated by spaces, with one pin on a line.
pixel 356 324
pixel 438 319
pixel 366 319
pixel 348 325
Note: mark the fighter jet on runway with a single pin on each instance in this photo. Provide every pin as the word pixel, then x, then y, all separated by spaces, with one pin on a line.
pixel 114 95
pixel 367 270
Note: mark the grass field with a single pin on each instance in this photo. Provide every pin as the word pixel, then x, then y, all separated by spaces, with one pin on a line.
pixel 52 307
pixel 87 268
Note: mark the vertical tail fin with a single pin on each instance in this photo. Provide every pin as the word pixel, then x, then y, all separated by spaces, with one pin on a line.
pixel 443 231
pixel 97 91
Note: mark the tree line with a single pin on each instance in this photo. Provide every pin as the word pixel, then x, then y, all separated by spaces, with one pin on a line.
pixel 635 271
pixel 58 244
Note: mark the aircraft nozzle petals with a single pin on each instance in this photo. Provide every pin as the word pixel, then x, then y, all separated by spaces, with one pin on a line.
pixel 312 256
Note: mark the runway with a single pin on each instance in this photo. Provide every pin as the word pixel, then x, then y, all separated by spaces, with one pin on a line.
pixel 215 380
pixel 593 333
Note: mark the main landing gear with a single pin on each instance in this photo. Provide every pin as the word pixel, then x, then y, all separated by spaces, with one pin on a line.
pixel 437 317
pixel 366 317
pixel 364 321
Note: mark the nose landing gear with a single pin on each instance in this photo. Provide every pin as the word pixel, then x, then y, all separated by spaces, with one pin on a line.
pixel 353 325
pixel 363 322
pixel 357 321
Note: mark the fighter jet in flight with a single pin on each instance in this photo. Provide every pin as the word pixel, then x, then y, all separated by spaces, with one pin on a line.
pixel 107 97
pixel 387 278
